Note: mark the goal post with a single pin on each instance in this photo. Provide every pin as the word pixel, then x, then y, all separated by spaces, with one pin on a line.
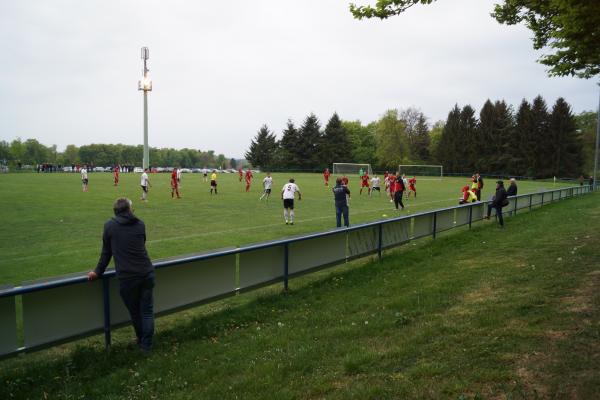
pixel 351 169
pixel 424 171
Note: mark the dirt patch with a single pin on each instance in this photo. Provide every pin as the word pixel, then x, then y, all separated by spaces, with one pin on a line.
pixel 582 300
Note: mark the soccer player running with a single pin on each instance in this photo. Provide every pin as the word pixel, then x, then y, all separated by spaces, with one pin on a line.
pixel 412 182
pixel 116 175
pixel 241 173
pixel 84 179
pixel 364 182
pixel 287 195
pixel 375 185
pixel 326 176
pixel 392 180
pixel 178 176
pixel 174 184
pixel 267 184
pixel 399 189
pixel 213 182
pixel 145 184
pixel 249 177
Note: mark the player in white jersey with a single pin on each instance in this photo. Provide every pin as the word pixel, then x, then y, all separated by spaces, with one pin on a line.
pixel 267 184
pixel 287 194
pixel 405 180
pixel 178 176
pixel 145 184
pixel 375 185
pixel 84 179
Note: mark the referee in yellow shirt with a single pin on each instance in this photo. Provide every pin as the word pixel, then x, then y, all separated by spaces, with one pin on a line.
pixel 213 182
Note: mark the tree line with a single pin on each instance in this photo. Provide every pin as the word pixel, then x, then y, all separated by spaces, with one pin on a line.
pixel 32 152
pixel 533 141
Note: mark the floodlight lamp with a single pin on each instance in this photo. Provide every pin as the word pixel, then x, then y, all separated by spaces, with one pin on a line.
pixel 145 53
pixel 145 84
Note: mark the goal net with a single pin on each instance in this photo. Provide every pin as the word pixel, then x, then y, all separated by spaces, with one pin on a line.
pixel 424 171
pixel 351 169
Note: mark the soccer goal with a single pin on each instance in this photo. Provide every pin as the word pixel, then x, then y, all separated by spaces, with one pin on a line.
pixel 351 169
pixel 424 171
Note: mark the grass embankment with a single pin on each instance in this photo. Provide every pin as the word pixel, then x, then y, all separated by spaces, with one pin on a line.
pixel 486 313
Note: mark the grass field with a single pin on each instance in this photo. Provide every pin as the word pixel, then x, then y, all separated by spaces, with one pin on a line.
pixel 50 227
pixel 485 313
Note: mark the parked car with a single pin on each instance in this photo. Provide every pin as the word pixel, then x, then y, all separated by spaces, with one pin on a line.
pixel 67 169
pixel 186 170
pixel 138 170
pixel 98 169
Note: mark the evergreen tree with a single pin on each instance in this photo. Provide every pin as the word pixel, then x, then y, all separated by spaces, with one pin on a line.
pixel 310 137
pixel 335 145
pixel 262 149
pixel 503 133
pixel 524 141
pixel 447 150
pixel 289 145
pixel 467 140
pixel 422 140
pixel 543 148
pixel 567 154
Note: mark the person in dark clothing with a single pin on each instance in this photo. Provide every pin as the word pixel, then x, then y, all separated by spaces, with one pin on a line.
pixel 512 188
pixel 398 191
pixel 591 181
pixel 124 239
pixel 479 186
pixel 498 201
pixel 341 194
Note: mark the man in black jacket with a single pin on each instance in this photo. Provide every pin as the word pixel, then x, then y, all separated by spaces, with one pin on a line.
pixel 498 201
pixel 341 194
pixel 124 238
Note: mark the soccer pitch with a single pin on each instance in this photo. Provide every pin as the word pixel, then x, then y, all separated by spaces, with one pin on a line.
pixel 50 227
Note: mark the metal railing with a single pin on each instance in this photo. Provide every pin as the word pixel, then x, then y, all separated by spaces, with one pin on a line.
pixel 43 314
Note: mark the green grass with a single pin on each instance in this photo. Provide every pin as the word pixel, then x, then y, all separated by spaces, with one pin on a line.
pixel 486 313
pixel 49 227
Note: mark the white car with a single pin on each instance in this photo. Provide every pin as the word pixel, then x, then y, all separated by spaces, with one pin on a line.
pixel 138 170
pixel 186 170
pixel 98 169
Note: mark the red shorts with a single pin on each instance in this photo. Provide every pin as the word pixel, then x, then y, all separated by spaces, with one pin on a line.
pixel 412 188
pixel 364 184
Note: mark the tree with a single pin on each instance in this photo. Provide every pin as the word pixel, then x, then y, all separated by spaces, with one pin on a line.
pixel 467 141
pixel 566 140
pixel 362 140
pixel 289 145
pixel 586 123
pixel 392 143
pixel 310 137
pixel 524 141
pixel 495 129
pixel 233 163
pixel 417 133
pixel 435 134
pixel 335 145
pixel 262 149
pixel 543 148
pixel 570 28
pixel 448 151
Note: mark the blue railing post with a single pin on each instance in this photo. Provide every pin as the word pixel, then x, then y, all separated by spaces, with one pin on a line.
pixel 515 207
pixel 530 199
pixel 106 298
pixel 286 253
pixel 542 199
pixel 380 241
pixel 470 216
pixel 434 223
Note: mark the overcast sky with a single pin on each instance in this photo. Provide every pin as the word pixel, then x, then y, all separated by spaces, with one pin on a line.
pixel 221 69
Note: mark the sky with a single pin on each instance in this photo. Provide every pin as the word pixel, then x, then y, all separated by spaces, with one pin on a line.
pixel 222 69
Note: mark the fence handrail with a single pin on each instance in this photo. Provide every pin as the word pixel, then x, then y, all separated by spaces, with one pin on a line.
pixel 61 281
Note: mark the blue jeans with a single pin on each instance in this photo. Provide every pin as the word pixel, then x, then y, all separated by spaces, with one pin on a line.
pixel 339 210
pixel 137 296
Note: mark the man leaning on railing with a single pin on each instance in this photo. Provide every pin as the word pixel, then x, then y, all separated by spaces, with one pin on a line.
pixel 124 238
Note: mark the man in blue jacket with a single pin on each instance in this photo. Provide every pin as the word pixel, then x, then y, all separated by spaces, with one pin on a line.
pixel 124 239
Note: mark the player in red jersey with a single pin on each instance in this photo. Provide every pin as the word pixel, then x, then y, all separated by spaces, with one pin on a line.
pixel 174 184
pixel 364 182
pixel 249 177
pixel 345 180
pixel 116 175
pixel 412 186
pixel 326 176
pixel 241 173
pixel 392 183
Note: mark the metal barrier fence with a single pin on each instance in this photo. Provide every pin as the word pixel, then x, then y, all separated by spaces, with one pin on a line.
pixel 44 314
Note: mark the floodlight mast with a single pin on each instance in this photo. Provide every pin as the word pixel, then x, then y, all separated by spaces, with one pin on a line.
pixel 146 86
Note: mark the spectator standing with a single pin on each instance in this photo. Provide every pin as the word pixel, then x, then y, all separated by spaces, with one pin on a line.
pixel 124 239
pixel 341 194
pixel 498 201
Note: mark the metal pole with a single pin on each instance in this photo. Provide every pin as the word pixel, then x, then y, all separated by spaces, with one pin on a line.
pixel 597 144
pixel 146 161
